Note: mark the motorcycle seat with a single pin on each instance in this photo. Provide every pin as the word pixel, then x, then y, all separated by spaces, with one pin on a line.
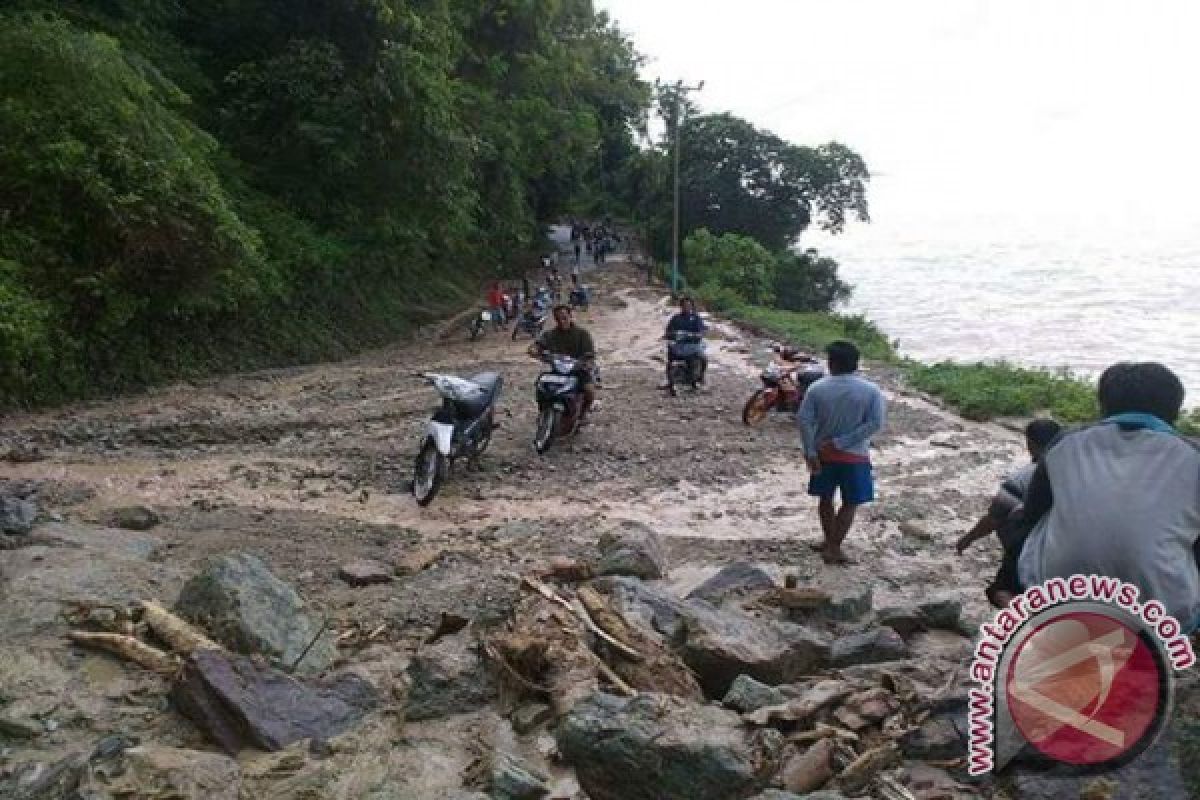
pixel 490 383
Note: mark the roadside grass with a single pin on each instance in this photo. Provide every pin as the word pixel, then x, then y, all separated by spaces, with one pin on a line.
pixel 980 391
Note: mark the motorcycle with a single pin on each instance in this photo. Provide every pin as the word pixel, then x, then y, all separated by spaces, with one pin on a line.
pixel 531 322
pixel 683 358
pixel 484 318
pixel 559 395
pixel 580 297
pixel 461 427
pixel 783 389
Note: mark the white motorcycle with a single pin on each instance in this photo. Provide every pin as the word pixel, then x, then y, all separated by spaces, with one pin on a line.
pixel 462 427
pixel 485 318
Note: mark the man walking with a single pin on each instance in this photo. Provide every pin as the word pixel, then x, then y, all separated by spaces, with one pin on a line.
pixel 838 417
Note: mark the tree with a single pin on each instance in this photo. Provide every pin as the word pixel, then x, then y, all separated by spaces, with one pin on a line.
pixel 808 282
pixel 736 178
pixel 732 262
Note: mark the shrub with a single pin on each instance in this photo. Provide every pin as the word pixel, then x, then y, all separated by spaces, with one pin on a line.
pixel 981 391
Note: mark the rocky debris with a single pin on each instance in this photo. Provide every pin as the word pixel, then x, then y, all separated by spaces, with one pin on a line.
pixel 249 610
pixel 872 647
pixel 448 677
pixel 843 604
pixel 867 708
pixel 653 607
pixel 721 644
pixel 805 704
pixel 154 771
pixel 903 620
pixel 69 777
pixel 858 774
pixel 792 598
pixel 17 728
pixel 943 613
pixel 734 579
pixel 653 747
pixel 633 550
pixel 916 530
pixel 239 703
pixel 937 739
pixel 747 694
pixel 17 515
pixel 810 770
pixel 412 561
pixel 567 570
pixel 364 572
pixel 513 780
pixel 134 518
pixel 530 717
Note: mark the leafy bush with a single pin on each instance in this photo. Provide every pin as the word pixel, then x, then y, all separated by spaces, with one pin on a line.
pixel 816 329
pixel 718 298
pixel 730 261
pixel 808 282
pixel 981 391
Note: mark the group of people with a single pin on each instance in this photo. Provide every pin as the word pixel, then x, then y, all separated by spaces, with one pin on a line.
pixel 597 241
pixel 1119 498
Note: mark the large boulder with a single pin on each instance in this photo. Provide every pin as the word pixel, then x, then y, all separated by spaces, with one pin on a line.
pixel 513 780
pixel 654 747
pixel 872 647
pixel 747 694
pixel 650 606
pixel 631 549
pixel 17 515
pixel 733 579
pixel 249 610
pixel 721 644
pixel 240 703
pixel 448 677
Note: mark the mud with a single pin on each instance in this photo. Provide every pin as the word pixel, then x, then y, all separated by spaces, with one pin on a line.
pixel 307 468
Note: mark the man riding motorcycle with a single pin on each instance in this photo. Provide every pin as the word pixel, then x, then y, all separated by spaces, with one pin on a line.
pixel 568 339
pixel 686 321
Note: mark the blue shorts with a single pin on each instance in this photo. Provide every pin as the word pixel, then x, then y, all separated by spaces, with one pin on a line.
pixel 853 480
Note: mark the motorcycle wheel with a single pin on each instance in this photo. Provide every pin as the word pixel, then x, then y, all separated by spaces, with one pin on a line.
pixel 485 439
pixel 516 330
pixel 547 426
pixel 757 408
pixel 429 473
pixel 476 329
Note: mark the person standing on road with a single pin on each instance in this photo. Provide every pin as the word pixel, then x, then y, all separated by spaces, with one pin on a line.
pixel 837 419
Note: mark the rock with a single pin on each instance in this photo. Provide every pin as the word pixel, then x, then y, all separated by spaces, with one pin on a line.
pixel 448 677
pixel 807 598
pixel 942 613
pixel 239 703
pixel 859 773
pixel 17 515
pixel 845 604
pixel 811 699
pixel 735 578
pixel 17 728
pixel 364 572
pixel 747 694
pixel 720 645
pixel 633 550
pixel 153 771
pixel 811 769
pixel 652 607
pixel 134 518
pixel 529 717
pixel 567 570
pixel 872 705
pixel 937 739
pixel 249 610
pixel 904 621
pixel 512 780
pixel 872 647
pixel 915 530
pixel 654 747
pixel 413 561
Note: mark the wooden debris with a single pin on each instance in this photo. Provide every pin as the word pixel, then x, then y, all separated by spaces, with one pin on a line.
pixel 799 599
pixel 129 649
pixel 177 634
pixel 578 610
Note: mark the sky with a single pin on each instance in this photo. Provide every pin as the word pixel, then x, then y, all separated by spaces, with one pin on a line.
pixel 1035 116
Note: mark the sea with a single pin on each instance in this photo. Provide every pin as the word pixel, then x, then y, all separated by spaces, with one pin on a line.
pixel 1073 293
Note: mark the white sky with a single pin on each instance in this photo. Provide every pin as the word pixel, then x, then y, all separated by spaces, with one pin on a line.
pixel 1080 115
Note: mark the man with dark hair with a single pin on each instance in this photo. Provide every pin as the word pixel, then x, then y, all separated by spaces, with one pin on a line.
pixel 1121 498
pixel 838 417
pixel 686 321
pixel 568 339
pixel 1004 516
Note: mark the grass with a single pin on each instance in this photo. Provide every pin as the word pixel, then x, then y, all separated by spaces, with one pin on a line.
pixel 978 391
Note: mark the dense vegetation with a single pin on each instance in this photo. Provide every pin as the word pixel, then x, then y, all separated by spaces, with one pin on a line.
pixel 190 186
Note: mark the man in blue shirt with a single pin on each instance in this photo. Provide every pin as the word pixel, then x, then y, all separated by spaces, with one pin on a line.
pixel 838 417
pixel 686 321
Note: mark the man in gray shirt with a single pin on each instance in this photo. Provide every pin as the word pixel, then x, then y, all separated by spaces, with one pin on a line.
pixel 837 419
pixel 1122 498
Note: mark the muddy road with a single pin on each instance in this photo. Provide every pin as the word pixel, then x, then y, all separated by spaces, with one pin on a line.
pixel 308 468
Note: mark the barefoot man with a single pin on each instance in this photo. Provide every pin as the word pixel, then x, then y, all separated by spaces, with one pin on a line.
pixel 838 417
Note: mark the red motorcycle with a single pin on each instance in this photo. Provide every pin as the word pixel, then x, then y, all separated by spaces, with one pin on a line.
pixel 783 388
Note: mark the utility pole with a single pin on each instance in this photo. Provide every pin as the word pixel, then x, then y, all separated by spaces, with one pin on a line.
pixel 680 97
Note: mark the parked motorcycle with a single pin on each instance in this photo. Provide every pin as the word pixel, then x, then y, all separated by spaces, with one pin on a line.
pixel 461 427
pixel 783 389
pixel 683 356
pixel 580 297
pixel 559 395
pixel 531 322
pixel 483 319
